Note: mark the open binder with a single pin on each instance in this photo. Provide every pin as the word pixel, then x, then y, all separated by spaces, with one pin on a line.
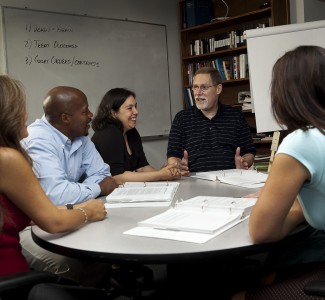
pixel 238 177
pixel 140 194
pixel 202 214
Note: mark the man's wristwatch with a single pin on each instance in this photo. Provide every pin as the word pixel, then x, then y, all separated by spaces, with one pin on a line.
pixel 69 206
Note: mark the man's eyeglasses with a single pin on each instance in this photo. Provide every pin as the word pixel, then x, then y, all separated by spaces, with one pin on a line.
pixel 203 88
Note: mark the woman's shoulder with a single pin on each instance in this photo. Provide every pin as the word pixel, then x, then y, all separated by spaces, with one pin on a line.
pixel 109 129
pixel 107 134
pixel 8 153
pixel 10 157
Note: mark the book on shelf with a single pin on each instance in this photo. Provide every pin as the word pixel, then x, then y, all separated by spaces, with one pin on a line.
pixel 243 66
pixel 219 65
pixel 140 194
pixel 227 69
pixel 235 67
pixel 188 97
pixel 202 214
pixel 238 177
pixel 198 12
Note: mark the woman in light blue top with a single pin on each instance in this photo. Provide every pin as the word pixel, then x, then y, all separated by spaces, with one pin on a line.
pixel 298 102
pixel 295 189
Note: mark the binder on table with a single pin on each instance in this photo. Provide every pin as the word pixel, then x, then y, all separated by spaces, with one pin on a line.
pixel 202 214
pixel 238 177
pixel 140 194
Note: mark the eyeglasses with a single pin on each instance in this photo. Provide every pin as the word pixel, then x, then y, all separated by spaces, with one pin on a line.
pixel 203 88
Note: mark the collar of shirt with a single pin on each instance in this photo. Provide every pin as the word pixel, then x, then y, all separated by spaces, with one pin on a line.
pixel 220 111
pixel 62 139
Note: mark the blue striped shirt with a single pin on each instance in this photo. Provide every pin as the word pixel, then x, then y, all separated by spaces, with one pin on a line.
pixel 211 144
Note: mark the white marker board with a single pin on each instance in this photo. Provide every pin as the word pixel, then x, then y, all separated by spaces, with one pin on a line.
pixel 46 49
pixel 264 47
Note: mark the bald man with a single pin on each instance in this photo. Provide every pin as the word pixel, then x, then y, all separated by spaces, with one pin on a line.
pixel 69 168
pixel 66 161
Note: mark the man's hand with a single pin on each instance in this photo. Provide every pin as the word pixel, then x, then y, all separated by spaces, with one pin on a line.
pixel 243 162
pixel 107 185
pixel 180 164
pixel 184 164
pixel 253 195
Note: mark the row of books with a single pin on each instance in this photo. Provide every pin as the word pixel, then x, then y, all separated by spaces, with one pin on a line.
pixel 235 67
pixel 226 40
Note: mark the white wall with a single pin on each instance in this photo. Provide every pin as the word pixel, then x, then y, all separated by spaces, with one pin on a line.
pixel 153 11
pixel 314 10
pixel 307 10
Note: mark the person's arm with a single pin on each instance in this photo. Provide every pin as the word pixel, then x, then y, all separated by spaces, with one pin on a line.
pixel 181 164
pixel 146 172
pixel 276 212
pixel 21 186
pixel 176 153
pixel 244 157
pixel 96 170
pixel 169 172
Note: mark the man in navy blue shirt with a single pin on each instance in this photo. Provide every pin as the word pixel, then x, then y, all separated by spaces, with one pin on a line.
pixel 214 136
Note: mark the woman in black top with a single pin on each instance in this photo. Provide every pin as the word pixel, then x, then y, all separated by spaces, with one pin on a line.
pixel 119 142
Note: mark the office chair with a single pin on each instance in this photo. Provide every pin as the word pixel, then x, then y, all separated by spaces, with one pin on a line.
pixel 17 286
pixel 315 288
pixel 22 285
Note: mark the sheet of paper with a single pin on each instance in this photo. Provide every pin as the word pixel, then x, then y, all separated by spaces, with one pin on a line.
pixel 182 236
